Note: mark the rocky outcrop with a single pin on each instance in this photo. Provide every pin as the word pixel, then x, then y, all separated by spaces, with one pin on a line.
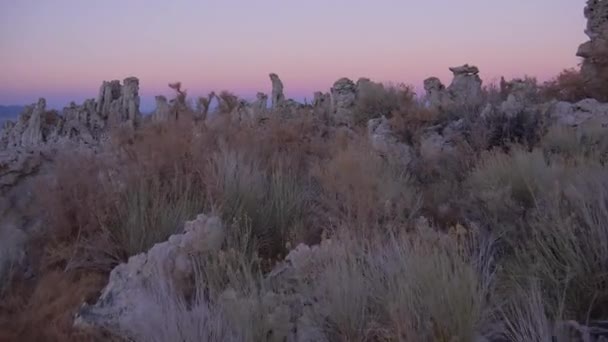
pixel 594 52
pixel 465 89
pixel 125 299
pixel 82 123
pixel 32 134
pixel 436 94
pixel 261 102
pixel 108 93
pixel 384 141
pixel 277 96
pixel 119 104
pixel 116 105
pixel 17 164
pixel 343 97
pixel 576 114
pixel 520 95
pixel 433 145
pixel 162 111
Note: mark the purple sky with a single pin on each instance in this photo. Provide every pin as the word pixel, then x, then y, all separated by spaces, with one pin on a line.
pixel 63 49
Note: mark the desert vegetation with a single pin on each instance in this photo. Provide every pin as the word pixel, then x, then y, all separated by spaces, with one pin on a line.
pixel 468 213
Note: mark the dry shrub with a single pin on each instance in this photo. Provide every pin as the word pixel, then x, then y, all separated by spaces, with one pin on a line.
pixel 588 141
pixel 273 199
pixel 227 101
pixel 375 100
pixel 566 246
pixel 46 312
pixel 361 190
pixel 423 286
pixel 520 176
pixel 569 86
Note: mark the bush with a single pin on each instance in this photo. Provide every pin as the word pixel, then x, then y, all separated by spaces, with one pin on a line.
pixel 362 191
pixel 424 286
pixel 565 246
pixel 273 200
pixel 569 86
pixel 588 141
pixel 375 100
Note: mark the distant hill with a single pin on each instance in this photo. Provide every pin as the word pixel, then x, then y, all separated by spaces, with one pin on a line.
pixel 9 112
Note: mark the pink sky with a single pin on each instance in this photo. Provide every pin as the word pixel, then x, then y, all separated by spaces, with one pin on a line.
pixel 63 49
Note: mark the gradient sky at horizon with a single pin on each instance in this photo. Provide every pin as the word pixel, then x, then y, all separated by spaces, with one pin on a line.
pixel 63 49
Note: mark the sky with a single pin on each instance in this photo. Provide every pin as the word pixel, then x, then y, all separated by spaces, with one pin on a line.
pixel 63 49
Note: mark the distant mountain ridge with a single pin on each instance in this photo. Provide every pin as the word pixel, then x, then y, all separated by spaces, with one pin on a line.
pixel 9 112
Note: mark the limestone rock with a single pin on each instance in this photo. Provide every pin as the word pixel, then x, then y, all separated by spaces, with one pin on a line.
pixel 433 145
pixel 436 94
pixel 261 102
pixel 575 114
pixel 5 132
pixel 119 104
pixel 162 111
pixel 521 95
pixel 343 95
pixel 321 100
pixel 594 52
pixel 125 297
pixel 277 97
pixel 16 164
pixel 465 88
pixel 108 93
pixel 384 141
pixel 32 135
pixel 81 123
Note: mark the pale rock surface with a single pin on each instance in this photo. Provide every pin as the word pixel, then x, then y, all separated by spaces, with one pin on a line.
pixel 108 93
pixel 32 134
pixel 575 114
pixel 125 299
pixel 436 94
pixel 343 96
pixel 521 95
pixel 594 52
pixel 384 141
pixel 465 88
pixel 277 96
pixel 433 145
pixel 261 102
pixel 162 112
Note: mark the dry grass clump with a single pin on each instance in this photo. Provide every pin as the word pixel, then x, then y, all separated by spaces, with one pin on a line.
pixel 354 199
pixel 569 86
pixel 422 286
pixel 375 100
pixel 566 246
pixel 588 141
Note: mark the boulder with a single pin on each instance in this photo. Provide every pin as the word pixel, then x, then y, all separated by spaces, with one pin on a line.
pixel 575 114
pixel 343 97
pixel 125 298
